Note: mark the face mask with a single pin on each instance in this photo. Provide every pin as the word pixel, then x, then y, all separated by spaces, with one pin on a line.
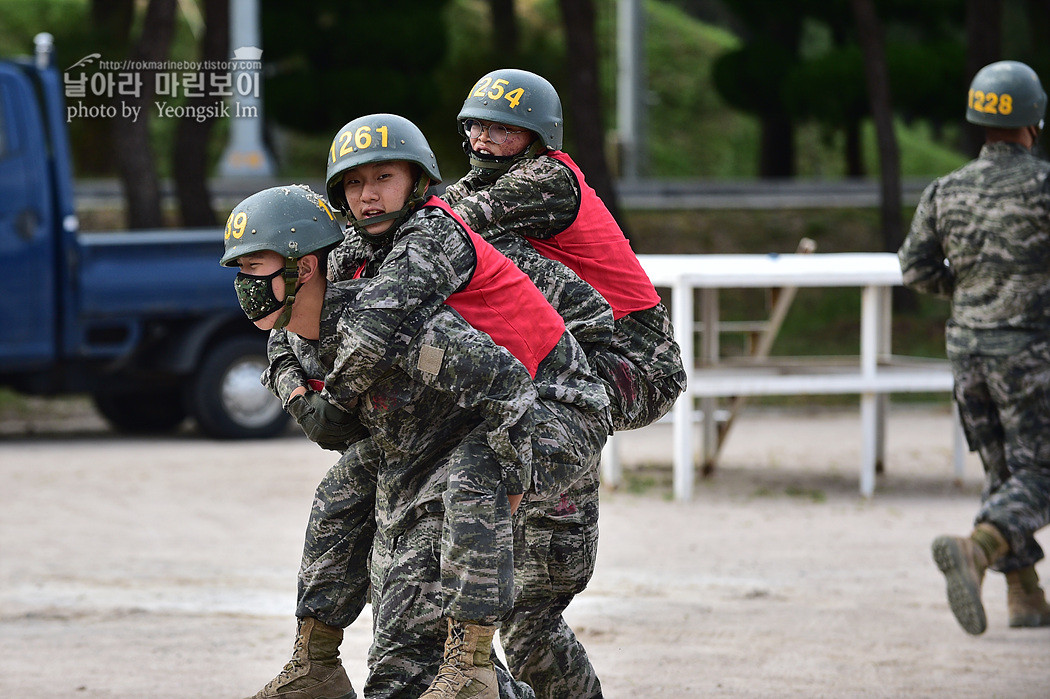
pixel 255 294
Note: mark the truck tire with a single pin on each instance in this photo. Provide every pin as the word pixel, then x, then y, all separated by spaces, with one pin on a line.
pixel 141 411
pixel 225 396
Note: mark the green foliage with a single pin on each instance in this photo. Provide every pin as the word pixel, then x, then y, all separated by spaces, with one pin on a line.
pixel 20 20
pixel 335 60
pixel 691 131
pixel 344 59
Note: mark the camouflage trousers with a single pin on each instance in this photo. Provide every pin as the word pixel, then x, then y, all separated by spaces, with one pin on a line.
pixel 1004 402
pixel 555 549
pixel 333 576
pixel 643 371
pixel 408 619
pixel 476 544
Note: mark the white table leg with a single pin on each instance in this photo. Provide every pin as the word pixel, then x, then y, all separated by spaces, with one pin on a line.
pixel 868 420
pixel 869 407
pixel 683 319
pixel 612 469
pixel 710 350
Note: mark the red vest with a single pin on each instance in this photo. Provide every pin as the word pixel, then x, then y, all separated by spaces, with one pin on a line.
pixel 502 301
pixel 595 248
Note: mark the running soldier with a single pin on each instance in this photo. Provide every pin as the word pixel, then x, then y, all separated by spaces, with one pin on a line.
pixel 981 237
pixel 530 200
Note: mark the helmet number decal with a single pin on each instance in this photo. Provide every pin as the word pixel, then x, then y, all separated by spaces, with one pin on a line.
pixel 497 92
pixel 324 208
pixel 991 103
pixel 235 225
pixel 362 139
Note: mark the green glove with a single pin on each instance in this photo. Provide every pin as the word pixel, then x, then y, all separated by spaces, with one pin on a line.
pixel 325 424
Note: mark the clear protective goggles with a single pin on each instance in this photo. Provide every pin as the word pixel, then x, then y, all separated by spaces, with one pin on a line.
pixel 498 133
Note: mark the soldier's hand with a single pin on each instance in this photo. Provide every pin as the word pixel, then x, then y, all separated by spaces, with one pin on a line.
pixel 323 423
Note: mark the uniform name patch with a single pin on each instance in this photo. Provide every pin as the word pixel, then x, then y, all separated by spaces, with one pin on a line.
pixel 430 359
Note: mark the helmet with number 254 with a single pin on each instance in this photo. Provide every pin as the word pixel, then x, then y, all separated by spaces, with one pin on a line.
pixel 517 98
pixel 1006 95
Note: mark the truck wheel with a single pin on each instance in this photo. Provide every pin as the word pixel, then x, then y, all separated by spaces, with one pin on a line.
pixel 226 397
pixel 141 411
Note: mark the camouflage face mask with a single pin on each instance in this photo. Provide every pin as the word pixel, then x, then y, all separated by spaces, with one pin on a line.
pixel 256 296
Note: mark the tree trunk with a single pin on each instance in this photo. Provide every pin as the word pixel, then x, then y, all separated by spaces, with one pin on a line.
pixel 504 30
pixel 854 151
pixel 869 31
pixel 131 138
pixel 587 128
pixel 984 22
pixel 112 20
pixel 776 146
pixel 190 156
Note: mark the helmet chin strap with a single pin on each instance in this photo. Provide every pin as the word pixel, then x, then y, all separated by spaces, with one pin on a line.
pixel 291 288
pixel 398 217
pixel 501 163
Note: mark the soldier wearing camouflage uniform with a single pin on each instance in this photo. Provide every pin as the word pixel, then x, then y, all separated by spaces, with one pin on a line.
pixel 449 407
pixel 530 200
pixel 981 237
pixel 525 188
pixel 570 419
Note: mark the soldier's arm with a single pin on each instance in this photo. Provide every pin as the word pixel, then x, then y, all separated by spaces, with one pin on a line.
pixel 923 263
pixel 429 263
pixel 284 376
pixel 537 198
pixel 467 185
pixel 450 356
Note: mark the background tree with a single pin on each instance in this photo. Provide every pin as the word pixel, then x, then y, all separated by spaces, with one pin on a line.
pixel 335 60
pixel 752 77
pixel 504 29
pixel 132 145
pixel 984 29
pixel 190 154
pixel 584 99
pixel 869 29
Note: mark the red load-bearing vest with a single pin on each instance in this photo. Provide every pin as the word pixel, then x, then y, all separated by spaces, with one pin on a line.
pixel 595 248
pixel 501 301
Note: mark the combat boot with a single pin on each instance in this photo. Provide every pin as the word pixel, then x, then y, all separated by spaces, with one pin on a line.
pixel 963 562
pixel 467 669
pixel 315 671
pixel 1025 600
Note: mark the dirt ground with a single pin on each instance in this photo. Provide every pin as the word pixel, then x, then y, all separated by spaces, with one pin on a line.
pixel 165 568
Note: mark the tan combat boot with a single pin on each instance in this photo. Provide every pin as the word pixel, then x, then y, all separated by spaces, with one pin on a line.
pixel 466 670
pixel 963 562
pixel 315 671
pixel 1025 600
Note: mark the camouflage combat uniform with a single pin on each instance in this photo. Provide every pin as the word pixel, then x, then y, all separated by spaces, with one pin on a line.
pixel 570 421
pixel 539 198
pixel 638 361
pixel 981 237
pixel 434 419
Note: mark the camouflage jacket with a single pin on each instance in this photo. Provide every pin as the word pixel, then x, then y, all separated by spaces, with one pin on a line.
pixel 981 237
pixel 437 384
pixel 430 258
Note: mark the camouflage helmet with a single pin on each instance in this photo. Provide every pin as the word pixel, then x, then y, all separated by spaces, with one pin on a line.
pixel 376 138
pixel 517 98
pixel 291 220
pixel 1006 95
